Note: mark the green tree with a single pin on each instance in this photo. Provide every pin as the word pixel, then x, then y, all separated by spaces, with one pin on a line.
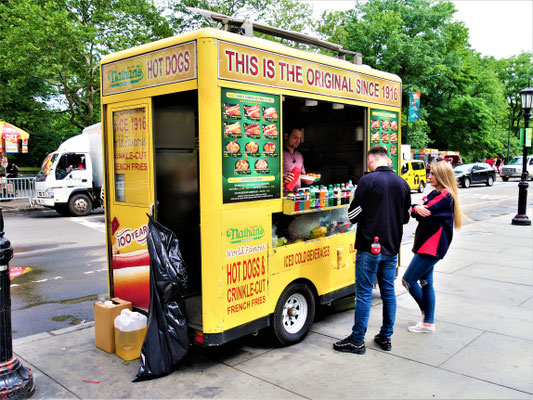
pixel 514 73
pixel 60 42
pixel 419 41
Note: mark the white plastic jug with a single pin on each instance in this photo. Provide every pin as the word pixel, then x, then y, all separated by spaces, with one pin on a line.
pixel 130 329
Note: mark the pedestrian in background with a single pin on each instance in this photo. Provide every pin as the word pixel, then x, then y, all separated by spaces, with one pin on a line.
pixel 3 166
pixel 436 218
pixel 12 170
pixel 380 208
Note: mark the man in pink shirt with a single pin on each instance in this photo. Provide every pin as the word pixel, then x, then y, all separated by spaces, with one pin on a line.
pixel 293 158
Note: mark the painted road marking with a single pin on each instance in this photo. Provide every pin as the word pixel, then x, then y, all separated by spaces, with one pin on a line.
pixel 99 226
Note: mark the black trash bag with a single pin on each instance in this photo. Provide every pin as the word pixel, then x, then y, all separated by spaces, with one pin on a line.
pixel 166 342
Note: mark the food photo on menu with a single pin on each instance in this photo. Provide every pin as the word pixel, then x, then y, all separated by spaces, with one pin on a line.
pixel 232 129
pixel 261 166
pixel 270 131
pixel 232 111
pixel 394 125
pixel 233 148
pixel 375 124
pixel 242 167
pixel 251 148
pixel 252 130
pixel 252 112
pixel 394 138
pixel 385 137
pixel 385 123
pixel 375 137
pixel 269 148
pixel 270 114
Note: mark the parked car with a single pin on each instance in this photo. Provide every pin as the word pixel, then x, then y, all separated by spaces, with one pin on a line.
pixel 414 172
pixel 514 168
pixel 474 173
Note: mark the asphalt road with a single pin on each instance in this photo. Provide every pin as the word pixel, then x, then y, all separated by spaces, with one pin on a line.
pixel 67 269
pixel 67 261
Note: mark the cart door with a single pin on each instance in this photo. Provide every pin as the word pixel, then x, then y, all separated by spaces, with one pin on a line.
pixel 131 193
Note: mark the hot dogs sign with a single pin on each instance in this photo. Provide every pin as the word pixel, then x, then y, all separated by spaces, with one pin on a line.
pixel 250 146
pixel 251 65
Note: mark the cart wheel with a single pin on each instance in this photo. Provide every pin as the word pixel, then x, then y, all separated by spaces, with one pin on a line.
pixel 421 187
pixel 466 183
pixel 490 181
pixel 294 314
pixel 80 205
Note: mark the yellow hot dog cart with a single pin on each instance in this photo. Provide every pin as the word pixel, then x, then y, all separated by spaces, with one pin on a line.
pixel 193 132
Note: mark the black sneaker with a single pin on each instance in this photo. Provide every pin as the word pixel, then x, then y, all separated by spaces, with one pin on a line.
pixel 349 345
pixel 383 342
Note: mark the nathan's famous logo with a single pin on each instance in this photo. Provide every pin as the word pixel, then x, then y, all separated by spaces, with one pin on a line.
pixel 127 236
pixel 125 76
pixel 243 235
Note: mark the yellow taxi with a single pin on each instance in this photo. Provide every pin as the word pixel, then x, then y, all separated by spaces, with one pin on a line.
pixel 414 172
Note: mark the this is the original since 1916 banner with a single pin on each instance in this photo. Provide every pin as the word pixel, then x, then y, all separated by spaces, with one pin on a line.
pixel 250 145
pixel 384 131
pixel 251 65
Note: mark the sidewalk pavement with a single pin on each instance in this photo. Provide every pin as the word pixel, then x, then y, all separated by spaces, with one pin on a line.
pixel 18 205
pixel 483 347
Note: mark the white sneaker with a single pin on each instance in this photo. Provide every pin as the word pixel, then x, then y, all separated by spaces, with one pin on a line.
pixel 421 328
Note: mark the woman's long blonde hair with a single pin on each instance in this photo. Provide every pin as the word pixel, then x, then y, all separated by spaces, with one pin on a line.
pixel 442 171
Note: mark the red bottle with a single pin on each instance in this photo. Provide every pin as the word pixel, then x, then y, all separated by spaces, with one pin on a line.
pixel 296 172
pixel 376 247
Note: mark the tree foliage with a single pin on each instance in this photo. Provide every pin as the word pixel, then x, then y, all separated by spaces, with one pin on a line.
pixel 464 95
pixel 61 43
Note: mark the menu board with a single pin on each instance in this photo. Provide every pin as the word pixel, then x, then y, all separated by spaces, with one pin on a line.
pixel 130 133
pixel 384 131
pixel 250 145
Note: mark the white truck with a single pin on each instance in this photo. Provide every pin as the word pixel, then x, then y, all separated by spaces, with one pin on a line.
pixel 514 168
pixel 71 178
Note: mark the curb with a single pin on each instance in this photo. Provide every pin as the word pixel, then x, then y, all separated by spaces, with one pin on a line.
pixel 47 335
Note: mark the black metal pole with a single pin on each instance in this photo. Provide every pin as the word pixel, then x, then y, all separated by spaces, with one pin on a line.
pixel 407 122
pixel 16 381
pixel 509 138
pixel 521 218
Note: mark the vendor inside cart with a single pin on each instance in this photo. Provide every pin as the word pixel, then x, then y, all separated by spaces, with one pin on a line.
pixel 293 159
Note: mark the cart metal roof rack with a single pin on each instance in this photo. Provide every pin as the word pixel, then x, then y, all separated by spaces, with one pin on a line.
pixel 248 27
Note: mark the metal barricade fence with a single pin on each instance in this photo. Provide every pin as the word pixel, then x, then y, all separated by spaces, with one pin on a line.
pixel 17 188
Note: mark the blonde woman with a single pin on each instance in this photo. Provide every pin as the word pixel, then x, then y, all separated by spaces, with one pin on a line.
pixel 437 217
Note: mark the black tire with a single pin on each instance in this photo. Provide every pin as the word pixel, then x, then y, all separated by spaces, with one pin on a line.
pixel 421 187
pixel 490 181
pixel 298 301
pixel 62 209
pixel 466 183
pixel 505 178
pixel 80 205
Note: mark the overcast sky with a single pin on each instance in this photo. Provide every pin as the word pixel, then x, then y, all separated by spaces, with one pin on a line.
pixel 499 28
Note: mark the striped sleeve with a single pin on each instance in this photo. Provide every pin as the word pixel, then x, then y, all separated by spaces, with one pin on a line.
pixel 359 202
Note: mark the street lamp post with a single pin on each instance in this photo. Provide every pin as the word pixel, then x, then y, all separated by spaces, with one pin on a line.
pixel 526 97
pixel 16 381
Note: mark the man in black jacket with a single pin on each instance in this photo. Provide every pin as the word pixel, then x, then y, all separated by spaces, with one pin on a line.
pixel 380 208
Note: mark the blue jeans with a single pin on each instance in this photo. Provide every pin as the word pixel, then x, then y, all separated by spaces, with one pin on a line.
pixel 421 270
pixel 367 268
